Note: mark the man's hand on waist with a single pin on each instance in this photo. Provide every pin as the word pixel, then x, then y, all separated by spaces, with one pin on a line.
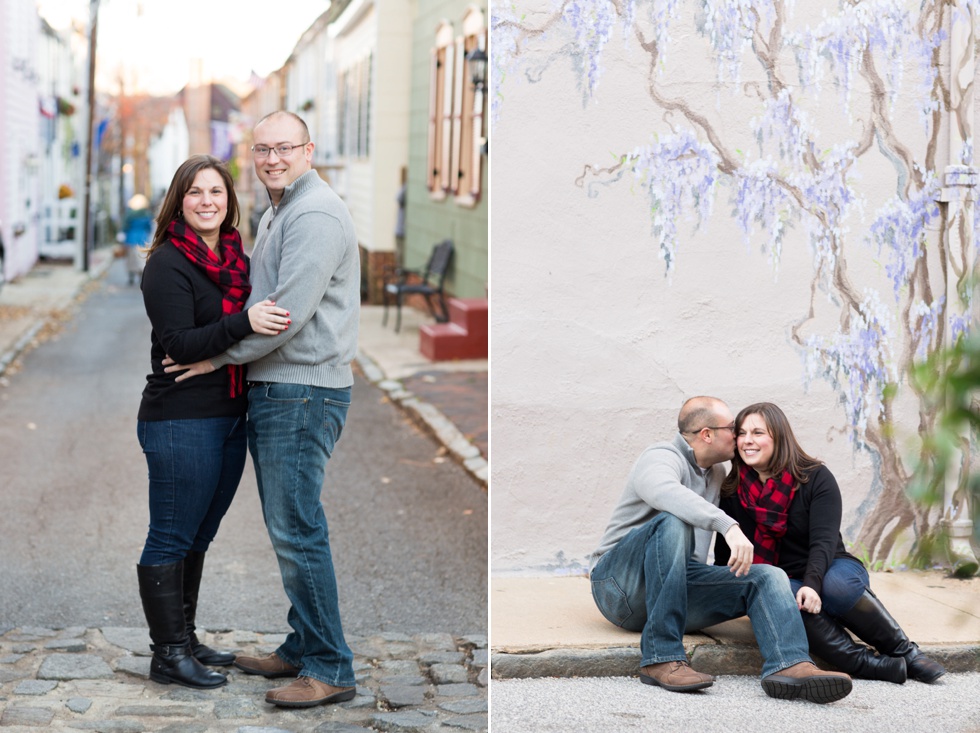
pixel 192 370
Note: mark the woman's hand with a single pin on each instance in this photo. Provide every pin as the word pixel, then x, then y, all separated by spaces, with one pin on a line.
pixel 808 600
pixel 267 318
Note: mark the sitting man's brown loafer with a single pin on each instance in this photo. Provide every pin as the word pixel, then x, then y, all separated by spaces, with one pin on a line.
pixel 269 666
pixel 806 681
pixel 675 676
pixel 306 692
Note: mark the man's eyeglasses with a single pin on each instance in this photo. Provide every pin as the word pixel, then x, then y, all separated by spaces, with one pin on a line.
pixel 713 427
pixel 283 151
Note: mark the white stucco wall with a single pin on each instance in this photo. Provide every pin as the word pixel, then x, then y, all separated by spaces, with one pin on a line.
pixel 20 203
pixel 594 348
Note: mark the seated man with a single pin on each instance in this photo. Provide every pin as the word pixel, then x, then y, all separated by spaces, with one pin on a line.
pixel 649 573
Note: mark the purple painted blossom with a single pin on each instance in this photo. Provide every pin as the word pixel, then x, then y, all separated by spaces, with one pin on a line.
pixel 959 325
pixel 678 173
pixel 925 325
pixel 882 27
pixel 504 61
pixel 899 232
pixel 857 361
pixel 591 23
pixel 728 25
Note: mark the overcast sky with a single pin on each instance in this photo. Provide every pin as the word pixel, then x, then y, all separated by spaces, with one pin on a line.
pixel 154 43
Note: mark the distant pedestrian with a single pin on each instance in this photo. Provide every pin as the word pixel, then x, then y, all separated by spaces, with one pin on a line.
pixel 137 233
pixel 192 433
pixel 401 200
pixel 790 505
pixel 305 258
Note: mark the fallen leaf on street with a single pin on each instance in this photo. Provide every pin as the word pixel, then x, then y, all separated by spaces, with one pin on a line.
pixel 12 312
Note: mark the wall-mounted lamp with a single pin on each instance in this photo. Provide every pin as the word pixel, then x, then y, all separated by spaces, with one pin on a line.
pixel 476 60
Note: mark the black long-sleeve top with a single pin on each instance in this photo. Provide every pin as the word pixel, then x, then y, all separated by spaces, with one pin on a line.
pixel 184 307
pixel 812 540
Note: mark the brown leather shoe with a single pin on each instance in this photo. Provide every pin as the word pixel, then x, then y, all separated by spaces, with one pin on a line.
pixel 675 676
pixel 805 681
pixel 269 666
pixel 305 692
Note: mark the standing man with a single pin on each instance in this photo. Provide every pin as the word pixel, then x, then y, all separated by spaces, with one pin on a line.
pixel 306 260
pixel 649 573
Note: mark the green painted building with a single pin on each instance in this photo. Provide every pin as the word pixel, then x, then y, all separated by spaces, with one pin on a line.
pixel 446 189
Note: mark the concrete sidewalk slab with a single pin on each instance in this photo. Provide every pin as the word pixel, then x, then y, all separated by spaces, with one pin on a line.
pixel 397 354
pixel 33 300
pixel 391 360
pixel 551 627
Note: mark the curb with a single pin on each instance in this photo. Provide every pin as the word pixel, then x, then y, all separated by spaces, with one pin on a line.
pixel 24 341
pixel 711 658
pixel 430 418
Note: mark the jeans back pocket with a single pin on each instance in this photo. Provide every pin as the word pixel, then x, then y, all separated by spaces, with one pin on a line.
pixel 612 601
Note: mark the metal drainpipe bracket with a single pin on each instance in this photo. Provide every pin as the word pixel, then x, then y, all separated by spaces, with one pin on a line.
pixel 960 183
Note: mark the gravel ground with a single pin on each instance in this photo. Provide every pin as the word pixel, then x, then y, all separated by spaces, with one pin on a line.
pixel 619 704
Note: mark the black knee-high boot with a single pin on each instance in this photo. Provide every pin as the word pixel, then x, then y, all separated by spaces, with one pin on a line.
pixel 161 590
pixel 829 641
pixel 193 566
pixel 872 623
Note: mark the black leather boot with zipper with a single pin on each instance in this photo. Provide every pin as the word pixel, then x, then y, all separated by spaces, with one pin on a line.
pixel 831 642
pixel 873 624
pixel 162 594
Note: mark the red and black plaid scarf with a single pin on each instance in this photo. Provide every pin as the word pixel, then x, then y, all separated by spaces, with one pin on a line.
pixel 229 272
pixel 769 505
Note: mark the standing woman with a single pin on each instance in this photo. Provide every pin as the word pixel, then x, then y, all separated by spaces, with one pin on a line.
pixel 195 285
pixel 789 505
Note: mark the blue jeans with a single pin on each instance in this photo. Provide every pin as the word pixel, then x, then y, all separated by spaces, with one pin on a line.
pixel 843 584
pixel 194 468
pixel 649 583
pixel 292 430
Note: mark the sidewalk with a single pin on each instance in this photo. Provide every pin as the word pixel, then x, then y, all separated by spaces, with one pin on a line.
pixel 449 398
pixel 40 299
pixel 550 627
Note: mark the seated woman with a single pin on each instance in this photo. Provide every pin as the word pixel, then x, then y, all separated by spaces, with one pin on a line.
pixel 789 505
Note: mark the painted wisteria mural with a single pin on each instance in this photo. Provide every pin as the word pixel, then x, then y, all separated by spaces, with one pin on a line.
pixel 881 68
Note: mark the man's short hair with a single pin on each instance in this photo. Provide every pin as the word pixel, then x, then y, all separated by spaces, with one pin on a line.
pixel 291 115
pixel 696 413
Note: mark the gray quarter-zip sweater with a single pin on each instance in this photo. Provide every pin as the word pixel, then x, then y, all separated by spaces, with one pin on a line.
pixel 306 260
pixel 666 478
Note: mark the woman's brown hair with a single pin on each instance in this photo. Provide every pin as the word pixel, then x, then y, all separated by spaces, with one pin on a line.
pixel 173 202
pixel 787 454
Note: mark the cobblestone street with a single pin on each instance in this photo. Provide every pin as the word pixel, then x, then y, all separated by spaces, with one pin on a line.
pixel 96 679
